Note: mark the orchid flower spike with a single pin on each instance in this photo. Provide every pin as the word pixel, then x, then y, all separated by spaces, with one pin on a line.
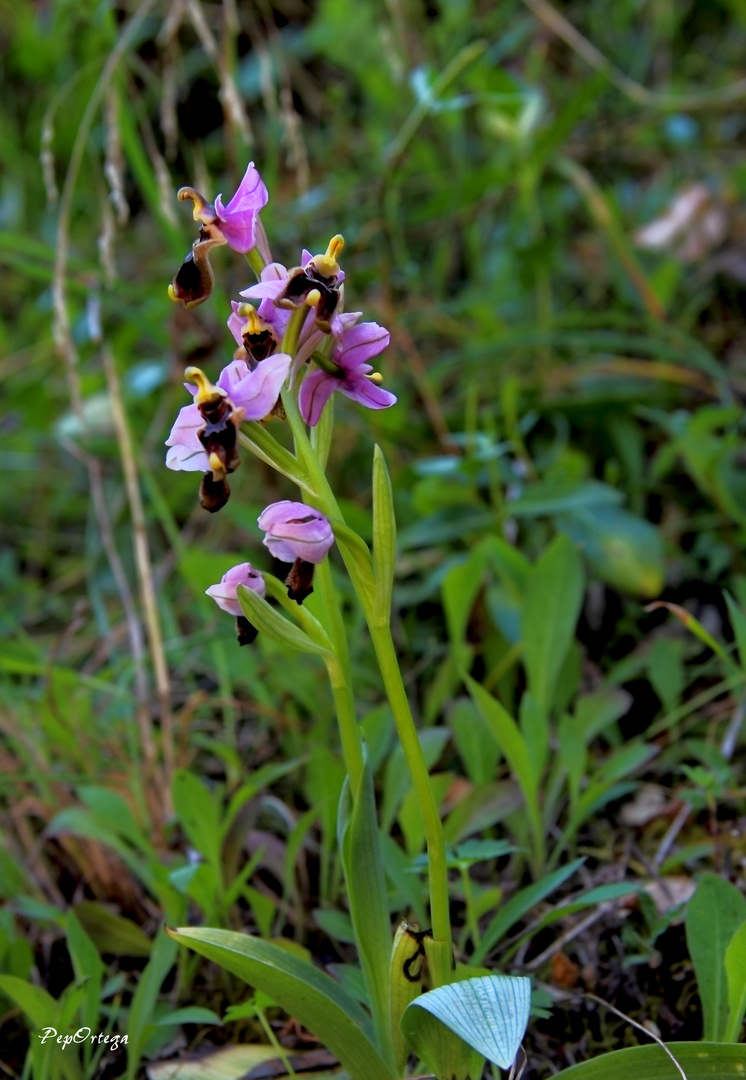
pixel 225 595
pixel 235 224
pixel 205 436
pixel 347 370
pixel 297 534
pixel 317 282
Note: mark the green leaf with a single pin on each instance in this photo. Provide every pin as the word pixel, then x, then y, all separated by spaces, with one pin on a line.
pixel 553 497
pixel 87 965
pixel 738 622
pixel 550 611
pixel 359 844
pixel 443 1052
pixel 265 446
pixel 39 1006
pixel 405 976
pixel 715 912
pixel 475 743
pixel 699 1060
pixel 357 558
pixel 198 811
pixel 276 626
pixel 460 587
pixel 623 549
pixel 384 535
pixel 227 1063
pixel 523 763
pixel 735 970
pixel 317 1001
pixel 111 933
pixel 488 1013
pixel 518 905
pixel 144 1000
pixel 192 1014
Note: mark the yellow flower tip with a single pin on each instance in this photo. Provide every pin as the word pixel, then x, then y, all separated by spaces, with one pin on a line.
pixel 335 246
pixel 172 294
pixel 327 264
pixel 254 323
pixel 376 377
pixel 201 210
pixel 313 298
pixel 217 466
pixel 206 392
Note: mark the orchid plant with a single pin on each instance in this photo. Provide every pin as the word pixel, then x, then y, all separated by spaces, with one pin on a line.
pixel 296 347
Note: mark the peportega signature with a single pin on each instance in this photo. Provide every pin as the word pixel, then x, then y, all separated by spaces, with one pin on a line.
pixel 83 1035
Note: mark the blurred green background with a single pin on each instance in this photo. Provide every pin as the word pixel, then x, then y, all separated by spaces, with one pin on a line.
pixel 544 203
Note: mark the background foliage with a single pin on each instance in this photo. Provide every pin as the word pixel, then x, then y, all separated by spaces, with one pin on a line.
pixel 567 448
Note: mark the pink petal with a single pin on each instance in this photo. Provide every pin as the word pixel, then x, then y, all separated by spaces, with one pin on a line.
pixel 269 290
pixel 232 376
pixel 274 272
pixel 279 549
pixel 236 323
pixel 360 344
pixel 296 531
pixel 315 391
pixel 186 451
pixel 251 194
pixel 237 220
pixel 360 389
pixel 258 391
pixel 279 511
pixel 239 231
pixel 225 595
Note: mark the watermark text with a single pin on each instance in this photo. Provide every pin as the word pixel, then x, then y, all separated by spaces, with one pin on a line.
pixel 82 1035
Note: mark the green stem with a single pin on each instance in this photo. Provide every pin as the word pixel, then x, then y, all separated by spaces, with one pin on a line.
pixel 255 261
pixel 339 676
pixel 441 954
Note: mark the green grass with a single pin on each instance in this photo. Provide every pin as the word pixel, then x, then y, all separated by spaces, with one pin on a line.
pixel 566 449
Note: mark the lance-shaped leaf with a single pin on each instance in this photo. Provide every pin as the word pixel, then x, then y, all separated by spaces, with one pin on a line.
pixel 490 1014
pixel 277 627
pixel 356 555
pixel 384 535
pixel 735 970
pixel 315 999
pixel 715 912
pixel 699 1060
pixel 265 446
pixel 359 843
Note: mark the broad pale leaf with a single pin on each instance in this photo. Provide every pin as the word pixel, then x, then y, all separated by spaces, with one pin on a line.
pixel 490 1013
pixel 300 989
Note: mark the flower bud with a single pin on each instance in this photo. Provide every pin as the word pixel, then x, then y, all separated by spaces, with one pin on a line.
pixel 407 979
pixel 296 531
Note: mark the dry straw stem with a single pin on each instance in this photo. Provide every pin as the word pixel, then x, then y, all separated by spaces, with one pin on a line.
pixel 144 565
pixel 606 220
pixel 703 99
pixel 66 348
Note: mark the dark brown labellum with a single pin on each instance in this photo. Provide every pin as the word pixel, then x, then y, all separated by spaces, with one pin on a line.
pixel 213 494
pixel 259 346
pixel 245 632
pixel 302 282
pixel 300 581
